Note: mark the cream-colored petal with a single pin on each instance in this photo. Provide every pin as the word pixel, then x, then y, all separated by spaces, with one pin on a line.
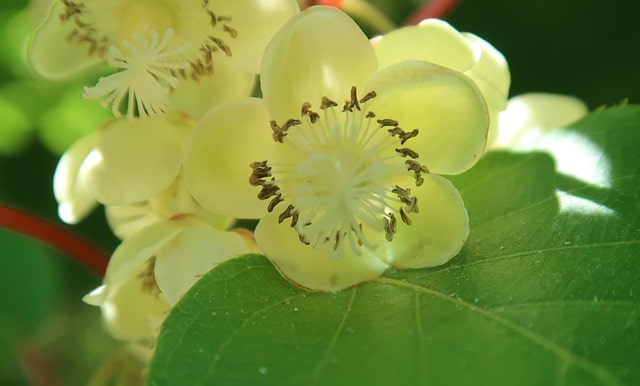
pixel 256 21
pixel 444 105
pixel 225 142
pixel 134 160
pixel 138 248
pixel 196 98
pixel 528 116
pixel 129 311
pixel 491 73
pixel 175 200
pixel 49 53
pixel 314 269
pixel 438 231
pixel 75 201
pixel 193 253
pixel 433 40
pixel 320 52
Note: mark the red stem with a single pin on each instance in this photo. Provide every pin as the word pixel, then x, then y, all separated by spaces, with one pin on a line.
pixel 432 9
pixel 331 3
pixel 55 236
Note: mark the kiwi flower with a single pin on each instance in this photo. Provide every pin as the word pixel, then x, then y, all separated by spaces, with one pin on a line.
pixel 151 270
pixel 347 175
pixel 154 44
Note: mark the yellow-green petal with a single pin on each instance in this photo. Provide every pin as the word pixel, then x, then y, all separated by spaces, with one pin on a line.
pixel 444 105
pixel 530 115
pixel 438 231
pixel 433 40
pixel 193 253
pixel 134 159
pixel 137 249
pixel 224 143
pixel 320 52
pixel 310 268
pixel 255 21
pixel 196 98
pixel 75 201
pixel 49 53
pixel 129 312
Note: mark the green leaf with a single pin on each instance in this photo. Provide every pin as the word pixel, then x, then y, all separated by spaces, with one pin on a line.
pixel 545 291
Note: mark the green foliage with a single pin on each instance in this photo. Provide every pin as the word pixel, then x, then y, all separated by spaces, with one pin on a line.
pixel 545 292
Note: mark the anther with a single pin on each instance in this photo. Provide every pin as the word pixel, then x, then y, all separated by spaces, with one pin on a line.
pixel 370 95
pixel 306 110
pixel 232 32
pixel 387 122
pixel 221 45
pixel 280 132
pixel 289 212
pixel 406 152
pixel 406 136
pixel 404 217
pixel 370 114
pixel 274 202
pixel 354 99
pixel 327 103
pixel 267 191
pixel 389 226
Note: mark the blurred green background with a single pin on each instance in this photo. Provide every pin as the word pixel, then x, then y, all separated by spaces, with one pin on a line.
pixel 585 48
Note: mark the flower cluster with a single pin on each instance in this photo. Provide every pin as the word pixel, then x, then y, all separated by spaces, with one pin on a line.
pixel 341 160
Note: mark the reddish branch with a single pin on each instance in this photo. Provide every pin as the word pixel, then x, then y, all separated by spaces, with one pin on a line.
pixel 432 9
pixel 55 236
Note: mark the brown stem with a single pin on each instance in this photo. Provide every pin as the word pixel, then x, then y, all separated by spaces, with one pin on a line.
pixel 432 9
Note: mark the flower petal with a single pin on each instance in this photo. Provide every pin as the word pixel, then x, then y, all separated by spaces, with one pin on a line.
pixel 134 159
pixel 310 268
pixel 137 249
pixel 255 21
pixel 196 98
pixel 491 73
pixel 530 115
pixel 129 312
pixel 433 40
pixel 194 252
pixel 438 231
pixel 49 53
pixel 443 104
pixel 320 52
pixel 224 143
pixel 69 184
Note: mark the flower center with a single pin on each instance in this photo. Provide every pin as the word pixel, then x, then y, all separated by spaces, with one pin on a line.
pixel 340 183
pixel 101 24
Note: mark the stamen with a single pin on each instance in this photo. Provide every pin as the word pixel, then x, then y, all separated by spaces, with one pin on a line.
pixel 336 184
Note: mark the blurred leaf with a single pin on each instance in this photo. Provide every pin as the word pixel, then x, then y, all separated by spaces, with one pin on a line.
pixel 28 290
pixel 71 119
pixel 544 292
pixel 16 128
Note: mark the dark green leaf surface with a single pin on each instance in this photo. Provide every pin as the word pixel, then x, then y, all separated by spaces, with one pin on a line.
pixel 545 292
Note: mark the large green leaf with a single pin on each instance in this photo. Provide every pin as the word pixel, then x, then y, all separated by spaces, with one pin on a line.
pixel 545 292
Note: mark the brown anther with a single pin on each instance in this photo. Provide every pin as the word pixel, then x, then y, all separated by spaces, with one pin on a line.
pixel 387 122
pixel 306 110
pixel 280 132
pixel 406 136
pixel 267 191
pixel 336 241
pixel 221 45
pixel 347 107
pixel 327 103
pixel 354 99
pixel 389 226
pixel 274 202
pixel 232 32
pixel 370 114
pixel 286 214
pixel 416 167
pixel 406 152
pixel 294 218
pixel 370 95
pixel 404 217
pixel 303 239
